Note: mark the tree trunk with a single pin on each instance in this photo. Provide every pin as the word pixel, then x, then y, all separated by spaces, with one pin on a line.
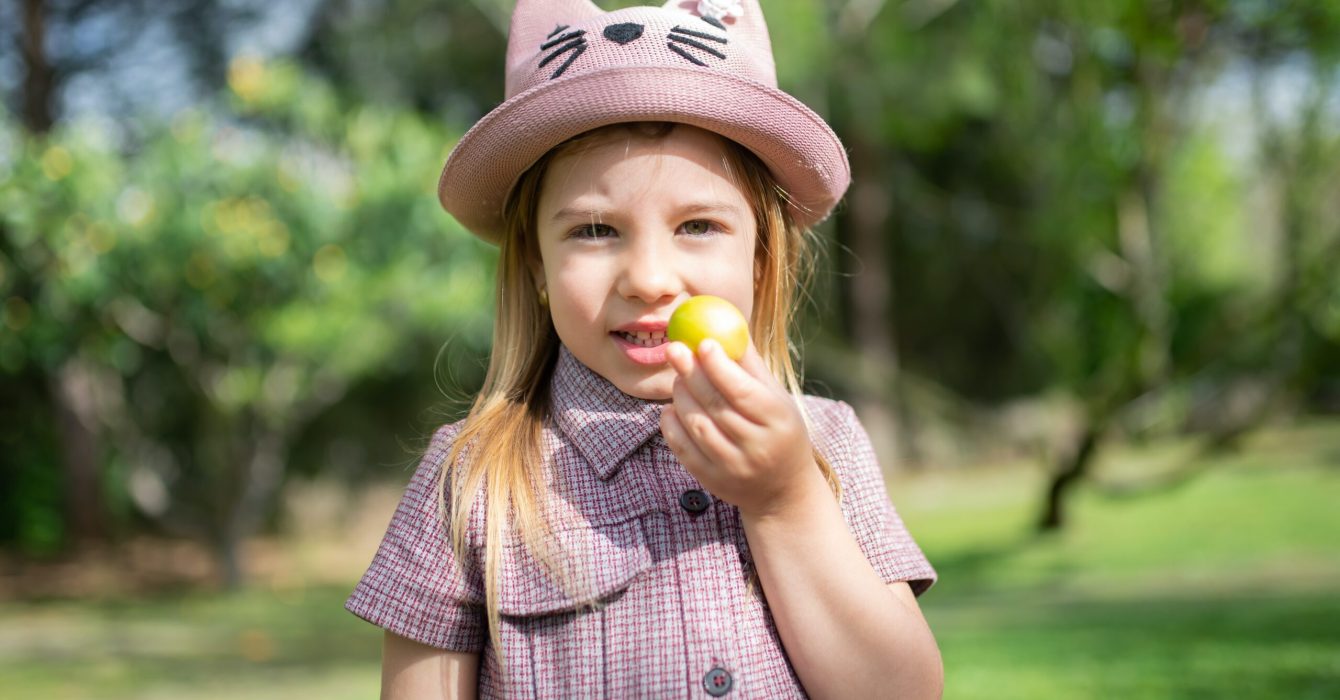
pixel 870 292
pixel 865 226
pixel 1075 466
pixel 71 388
pixel 260 482
pixel 72 392
pixel 39 80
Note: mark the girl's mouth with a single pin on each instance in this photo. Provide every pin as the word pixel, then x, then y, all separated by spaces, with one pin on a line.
pixel 642 338
pixel 643 348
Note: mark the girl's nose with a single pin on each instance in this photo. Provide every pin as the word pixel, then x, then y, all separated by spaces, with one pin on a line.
pixel 649 273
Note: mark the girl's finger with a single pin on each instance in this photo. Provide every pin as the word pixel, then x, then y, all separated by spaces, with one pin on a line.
pixel 680 443
pixel 735 385
pixel 680 357
pixel 701 427
pixel 712 394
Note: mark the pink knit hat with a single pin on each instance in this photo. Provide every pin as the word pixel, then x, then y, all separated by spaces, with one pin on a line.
pixel 572 67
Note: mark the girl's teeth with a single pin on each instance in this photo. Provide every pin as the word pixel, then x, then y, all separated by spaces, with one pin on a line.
pixel 646 340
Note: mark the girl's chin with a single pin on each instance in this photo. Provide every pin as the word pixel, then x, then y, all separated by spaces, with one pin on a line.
pixel 658 388
pixel 652 396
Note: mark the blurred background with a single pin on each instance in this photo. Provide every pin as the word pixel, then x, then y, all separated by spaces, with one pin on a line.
pixel 1083 294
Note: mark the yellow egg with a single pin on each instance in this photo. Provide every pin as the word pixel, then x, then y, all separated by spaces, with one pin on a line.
pixel 706 316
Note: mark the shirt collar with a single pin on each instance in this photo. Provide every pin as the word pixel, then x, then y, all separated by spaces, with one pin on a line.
pixel 605 424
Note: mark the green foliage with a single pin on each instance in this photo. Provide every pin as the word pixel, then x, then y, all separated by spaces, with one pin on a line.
pixel 233 274
pixel 1072 207
pixel 1075 192
pixel 30 484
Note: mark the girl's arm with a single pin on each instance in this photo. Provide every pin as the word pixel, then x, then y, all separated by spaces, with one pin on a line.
pixel 847 633
pixel 737 430
pixel 411 670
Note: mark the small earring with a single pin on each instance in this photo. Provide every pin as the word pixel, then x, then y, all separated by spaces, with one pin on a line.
pixel 544 298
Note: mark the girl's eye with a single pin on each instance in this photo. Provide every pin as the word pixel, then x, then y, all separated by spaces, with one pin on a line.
pixel 699 227
pixel 591 231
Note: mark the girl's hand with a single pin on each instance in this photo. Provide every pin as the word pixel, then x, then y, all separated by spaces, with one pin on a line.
pixel 738 431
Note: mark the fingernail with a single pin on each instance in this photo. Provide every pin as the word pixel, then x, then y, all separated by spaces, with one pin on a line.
pixel 707 347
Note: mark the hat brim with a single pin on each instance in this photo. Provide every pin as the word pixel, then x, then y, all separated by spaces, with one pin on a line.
pixel 797 146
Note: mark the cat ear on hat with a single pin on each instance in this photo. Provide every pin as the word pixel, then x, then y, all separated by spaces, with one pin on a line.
pixel 534 20
pixel 743 22
pixel 726 14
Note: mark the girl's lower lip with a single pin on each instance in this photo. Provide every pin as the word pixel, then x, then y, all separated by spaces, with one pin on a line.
pixel 637 353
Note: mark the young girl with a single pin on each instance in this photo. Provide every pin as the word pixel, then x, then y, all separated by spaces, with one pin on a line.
pixel 619 516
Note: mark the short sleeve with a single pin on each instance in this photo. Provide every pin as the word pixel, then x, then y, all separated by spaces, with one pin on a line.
pixel 414 585
pixel 866 505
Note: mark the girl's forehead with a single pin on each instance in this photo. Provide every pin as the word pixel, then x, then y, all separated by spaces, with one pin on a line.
pixel 622 163
pixel 612 146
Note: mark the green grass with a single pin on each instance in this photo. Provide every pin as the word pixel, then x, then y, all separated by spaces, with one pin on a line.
pixel 1227 586
pixel 1147 646
pixel 255 644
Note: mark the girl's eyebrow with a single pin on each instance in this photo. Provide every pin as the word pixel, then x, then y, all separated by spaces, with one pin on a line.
pixel 708 208
pixel 582 213
pixel 689 209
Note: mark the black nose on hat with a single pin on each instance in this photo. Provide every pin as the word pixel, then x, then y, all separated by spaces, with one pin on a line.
pixel 623 33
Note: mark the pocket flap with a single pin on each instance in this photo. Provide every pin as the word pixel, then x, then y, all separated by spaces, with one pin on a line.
pixel 596 562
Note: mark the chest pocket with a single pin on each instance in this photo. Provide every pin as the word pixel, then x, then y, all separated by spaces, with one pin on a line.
pixel 592 565
pixel 579 638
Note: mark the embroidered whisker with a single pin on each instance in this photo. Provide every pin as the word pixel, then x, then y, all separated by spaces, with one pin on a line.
pixel 558 40
pixel 696 44
pixel 714 22
pixel 581 48
pixel 561 50
pixel 685 54
pixel 700 35
pixel 557 29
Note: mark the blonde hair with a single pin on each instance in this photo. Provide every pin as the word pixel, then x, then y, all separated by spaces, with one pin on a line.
pixel 498 446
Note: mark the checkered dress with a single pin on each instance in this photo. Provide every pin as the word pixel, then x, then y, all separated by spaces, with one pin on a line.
pixel 657 603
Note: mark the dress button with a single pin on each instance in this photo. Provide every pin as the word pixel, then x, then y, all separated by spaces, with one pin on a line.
pixel 694 501
pixel 717 682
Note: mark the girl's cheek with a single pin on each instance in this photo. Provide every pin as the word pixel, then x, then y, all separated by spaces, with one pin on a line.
pixel 727 271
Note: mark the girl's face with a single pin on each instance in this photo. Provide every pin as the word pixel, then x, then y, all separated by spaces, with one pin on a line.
pixel 630 228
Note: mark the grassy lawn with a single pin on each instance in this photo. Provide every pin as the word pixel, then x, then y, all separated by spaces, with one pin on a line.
pixel 1227 586
pixel 256 644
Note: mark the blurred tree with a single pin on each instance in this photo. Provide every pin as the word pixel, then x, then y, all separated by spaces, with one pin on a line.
pixel 1011 227
pixel 434 57
pixel 222 285
pixel 1041 205
pixel 57 43
pixel 1141 356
